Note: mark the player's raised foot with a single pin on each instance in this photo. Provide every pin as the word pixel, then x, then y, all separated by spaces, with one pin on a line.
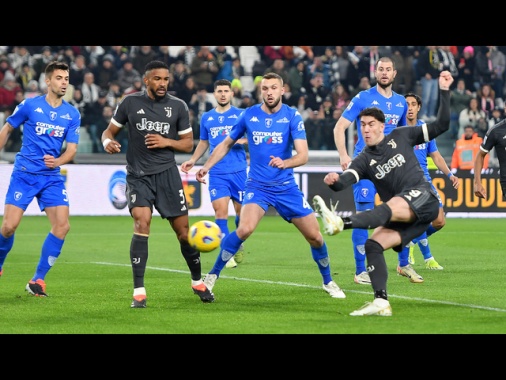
pixel 379 307
pixel 209 281
pixel 334 290
pixel 239 256
pixel 332 224
pixel 231 263
pixel 432 264
pixel 362 279
pixel 411 257
pixel 36 288
pixel 139 301
pixel 203 292
pixel 409 272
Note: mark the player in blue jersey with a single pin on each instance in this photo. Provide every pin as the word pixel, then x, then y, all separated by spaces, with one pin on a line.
pixel 48 121
pixel 395 109
pixel 422 151
pixel 273 130
pixel 228 177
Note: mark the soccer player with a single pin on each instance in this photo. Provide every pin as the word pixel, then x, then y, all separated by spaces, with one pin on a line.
pixel 228 177
pixel 48 122
pixel 494 138
pixel 422 151
pixel 158 126
pixel 410 203
pixel 395 109
pixel 273 130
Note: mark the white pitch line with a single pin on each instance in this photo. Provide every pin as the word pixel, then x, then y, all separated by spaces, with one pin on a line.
pixel 316 287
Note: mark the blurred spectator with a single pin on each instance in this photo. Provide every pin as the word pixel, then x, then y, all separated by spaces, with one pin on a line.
pixel 4 67
pixel 15 140
pixel 200 103
pixel 164 55
pixel 8 90
pixel 24 75
pixel 403 58
pixel 119 54
pixel 466 68
pixel 486 99
pixel 102 124
pixel 194 124
pixel 173 88
pixel 204 68
pixel 359 66
pixel 32 89
pixel 137 86
pixel 459 100
pixel 224 61
pixel 20 55
pixel 180 72
pixel 93 55
pixel 447 58
pixel 429 67
pixel 41 60
pixel 91 120
pixel 127 74
pixel 67 55
pixel 482 127
pixel 114 94
pixel 316 92
pixel 247 100
pixel 489 68
pixel 294 54
pixel 106 72
pixel 89 88
pixel 143 55
pixel 78 101
pixel 278 67
pixel 77 70
pixel 466 149
pixel 363 84
pixel 340 96
pixel 289 98
pixel 237 68
pixel 271 53
pixel 188 90
pixel 339 62
pixel 470 116
pixel 320 126
pixel 298 77
pixel 496 117
pixel 187 54
pixel 318 66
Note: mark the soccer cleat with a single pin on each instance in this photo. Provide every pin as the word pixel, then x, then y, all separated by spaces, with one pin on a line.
pixel 1 271
pixel 231 263
pixel 334 290
pixel 411 257
pixel 36 288
pixel 203 292
pixel 332 223
pixel 379 306
pixel 409 272
pixel 362 279
pixel 209 281
pixel 432 264
pixel 139 301
pixel 239 256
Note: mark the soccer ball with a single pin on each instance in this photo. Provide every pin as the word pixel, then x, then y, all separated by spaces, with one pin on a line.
pixel 204 236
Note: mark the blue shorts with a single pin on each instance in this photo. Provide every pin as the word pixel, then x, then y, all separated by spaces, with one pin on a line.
pixel 364 192
pixel 288 200
pixel 49 190
pixel 229 185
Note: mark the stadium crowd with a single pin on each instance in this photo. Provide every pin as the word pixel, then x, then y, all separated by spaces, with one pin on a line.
pixel 320 81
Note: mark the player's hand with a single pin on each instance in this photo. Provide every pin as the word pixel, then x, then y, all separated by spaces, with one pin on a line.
pixel 201 174
pixel 445 80
pixel 277 162
pixel 186 166
pixel 113 147
pixel 345 161
pixel 154 140
pixel 480 191
pixel 455 181
pixel 331 178
pixel 49 161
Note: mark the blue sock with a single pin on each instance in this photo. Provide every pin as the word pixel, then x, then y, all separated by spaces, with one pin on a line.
pixel 229 247
pixel 5 247
pixel 403 257
pixel 321 258
pixel 358 238
pixel 431 230
pixel 51 249
pixel 423 244
pixel 223 224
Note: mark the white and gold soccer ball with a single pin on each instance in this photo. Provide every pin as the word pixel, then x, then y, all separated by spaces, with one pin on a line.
pixel 204 236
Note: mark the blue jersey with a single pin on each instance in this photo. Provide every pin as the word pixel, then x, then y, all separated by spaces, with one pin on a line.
pixel 45 129
pixel 423 150
pixel 394 108
pixel 269 135
pixel 214 127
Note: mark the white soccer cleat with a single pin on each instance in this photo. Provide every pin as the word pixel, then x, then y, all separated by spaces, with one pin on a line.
pixel 379 307
pixel 334 290
pixel 231 263
pixel 332 223
pixel 209 281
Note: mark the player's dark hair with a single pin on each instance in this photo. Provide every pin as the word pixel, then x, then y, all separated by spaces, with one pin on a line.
pixel 55 65
pixel 374 112
pixel 272 75
pixel 413 95
pixel 153 65
pixel 384 59
pixel 222 82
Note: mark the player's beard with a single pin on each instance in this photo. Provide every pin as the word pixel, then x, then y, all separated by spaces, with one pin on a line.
pixel 274 105
pixel 156 96
pixel 385 85
pixel 224 104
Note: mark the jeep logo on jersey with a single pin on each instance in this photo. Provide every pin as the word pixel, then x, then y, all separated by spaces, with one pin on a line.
pixel 168 111
pixel 396 161
pixel 146 125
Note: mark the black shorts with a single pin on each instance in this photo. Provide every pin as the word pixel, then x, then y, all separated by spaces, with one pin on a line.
pixel 425 205
pixel 163 190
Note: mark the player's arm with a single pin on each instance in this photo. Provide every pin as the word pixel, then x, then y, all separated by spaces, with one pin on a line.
pixel 340 139
pixel 66 157
pixel 298 159
pixel 108 138
pixel 5 132
pixel 440 163
pixel 340 182
pixel 201 148
pixel 218 153
pixel 479 190
pixel 442 123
